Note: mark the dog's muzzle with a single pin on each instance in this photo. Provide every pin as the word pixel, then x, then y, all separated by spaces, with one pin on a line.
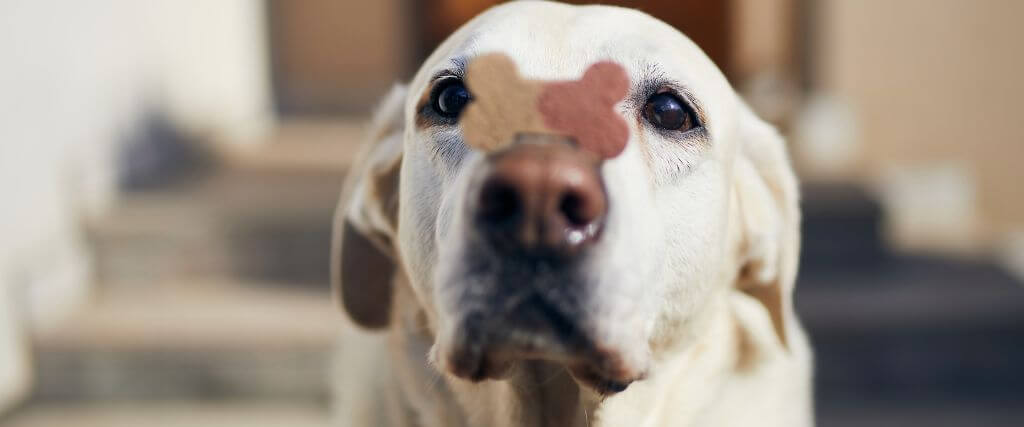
pixel 537 206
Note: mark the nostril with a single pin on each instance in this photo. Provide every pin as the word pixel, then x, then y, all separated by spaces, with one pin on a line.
pixel 573 207
pixel 499 202
pixel 579 209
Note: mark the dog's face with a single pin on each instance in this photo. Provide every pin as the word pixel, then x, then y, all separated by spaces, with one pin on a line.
pixel 544 249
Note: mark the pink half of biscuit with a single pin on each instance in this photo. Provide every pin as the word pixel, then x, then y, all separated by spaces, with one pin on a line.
pixel 585 109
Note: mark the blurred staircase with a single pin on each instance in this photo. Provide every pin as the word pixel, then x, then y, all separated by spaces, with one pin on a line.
pixel 904 340
pixel 212 305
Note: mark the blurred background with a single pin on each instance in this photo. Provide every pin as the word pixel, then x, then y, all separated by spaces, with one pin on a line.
pixel 168 172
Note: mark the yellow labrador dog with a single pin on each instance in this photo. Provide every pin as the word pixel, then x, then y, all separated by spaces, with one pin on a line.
pixel 535 286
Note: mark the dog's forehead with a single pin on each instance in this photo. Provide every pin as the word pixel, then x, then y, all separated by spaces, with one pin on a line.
pixel 555 41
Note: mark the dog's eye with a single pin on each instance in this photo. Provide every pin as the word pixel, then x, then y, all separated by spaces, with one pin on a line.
pixel 666 111
pixel 450 96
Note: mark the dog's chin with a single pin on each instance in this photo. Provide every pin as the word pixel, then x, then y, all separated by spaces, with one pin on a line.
pixel 507 311
pixel 479 349
pixel 603 372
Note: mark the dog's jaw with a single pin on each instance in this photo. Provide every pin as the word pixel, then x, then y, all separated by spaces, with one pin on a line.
pixel 480 345
pixel 603 373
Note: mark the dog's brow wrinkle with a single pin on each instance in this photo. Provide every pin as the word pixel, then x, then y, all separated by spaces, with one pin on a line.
pixel 651 78
pixel 456 67
pixel 459 63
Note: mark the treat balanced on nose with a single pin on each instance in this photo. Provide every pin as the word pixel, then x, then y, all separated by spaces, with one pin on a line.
pixel 505 104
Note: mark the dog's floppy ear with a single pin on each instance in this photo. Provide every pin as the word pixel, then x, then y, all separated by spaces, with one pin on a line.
pixel 363 256
pixel 767 195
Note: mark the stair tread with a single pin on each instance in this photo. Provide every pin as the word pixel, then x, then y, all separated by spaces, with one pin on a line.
pixel 199 315
pixel 911 292
pixel 172 414
pixel 304 145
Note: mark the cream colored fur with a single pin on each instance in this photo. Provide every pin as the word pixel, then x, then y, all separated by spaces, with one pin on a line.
pixel 694 273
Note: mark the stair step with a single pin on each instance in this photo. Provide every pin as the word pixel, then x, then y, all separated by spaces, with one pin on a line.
pixel 861 411
pixel 172 414
pixel 198 339
pixel 915 328
pixel 260 224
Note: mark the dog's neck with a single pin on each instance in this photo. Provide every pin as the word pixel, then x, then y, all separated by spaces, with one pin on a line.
pixel 544 393
pixel 535 394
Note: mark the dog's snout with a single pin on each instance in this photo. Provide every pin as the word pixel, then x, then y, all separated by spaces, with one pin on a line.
pixel 542 197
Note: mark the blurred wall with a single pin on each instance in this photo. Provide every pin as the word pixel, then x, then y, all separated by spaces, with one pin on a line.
pixel 332 56
pixel 75 77
pixel 935 88
pixel 763 40
pixel 208 62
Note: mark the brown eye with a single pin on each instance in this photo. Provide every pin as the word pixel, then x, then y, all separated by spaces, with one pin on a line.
pixel 450 97
pixel 666 111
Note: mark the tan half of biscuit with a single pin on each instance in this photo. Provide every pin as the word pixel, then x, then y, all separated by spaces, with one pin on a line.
pixel 503 104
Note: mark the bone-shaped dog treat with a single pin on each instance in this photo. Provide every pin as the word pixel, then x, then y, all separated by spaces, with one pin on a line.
pixel 504 104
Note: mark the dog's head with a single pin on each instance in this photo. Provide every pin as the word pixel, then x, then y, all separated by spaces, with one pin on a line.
pixel 527 242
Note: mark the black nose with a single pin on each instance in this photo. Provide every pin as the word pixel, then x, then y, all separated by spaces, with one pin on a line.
pixel 542 197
